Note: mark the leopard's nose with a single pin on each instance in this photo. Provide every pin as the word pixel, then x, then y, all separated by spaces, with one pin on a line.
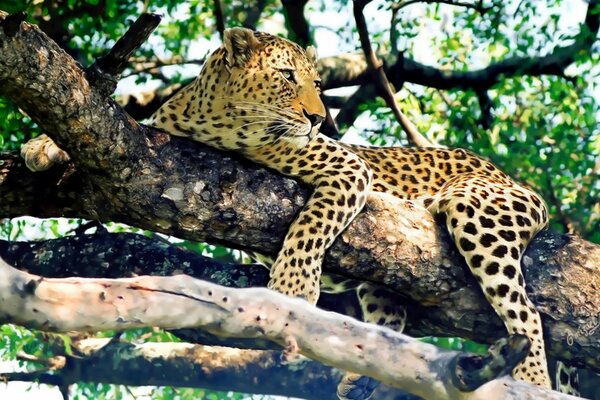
pixel 314 119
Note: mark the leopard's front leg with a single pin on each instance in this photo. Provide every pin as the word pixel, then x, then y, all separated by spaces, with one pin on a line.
pixel 342 181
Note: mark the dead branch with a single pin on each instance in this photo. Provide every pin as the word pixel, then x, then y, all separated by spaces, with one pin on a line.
pixel 107 68
pixel 80 304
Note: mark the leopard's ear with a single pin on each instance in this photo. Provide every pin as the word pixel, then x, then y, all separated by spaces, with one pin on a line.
pixel 239 43
pixel 311 53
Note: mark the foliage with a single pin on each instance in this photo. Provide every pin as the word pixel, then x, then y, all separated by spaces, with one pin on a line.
pixel 542 130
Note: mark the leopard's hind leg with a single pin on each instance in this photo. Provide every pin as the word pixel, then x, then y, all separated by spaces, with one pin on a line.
pixel 492 223
pixel 382 307
pixel 567 379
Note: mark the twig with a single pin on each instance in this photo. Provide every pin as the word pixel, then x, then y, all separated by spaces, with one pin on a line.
pixel 352 69
pixel 220 19
pixel 447 100
pixel 22 356
pixel 294 13
pixel 394 31
pixel 566 222
pixel 104 72
pixel 150 67
pixel 383 85
pixel 478 7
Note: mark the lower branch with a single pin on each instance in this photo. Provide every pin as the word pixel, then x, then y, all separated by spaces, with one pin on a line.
pixel 187 365
pixel 180 301
pixel 393 243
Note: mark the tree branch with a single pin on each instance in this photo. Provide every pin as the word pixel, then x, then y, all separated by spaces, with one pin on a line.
pixel 352 69
pixel 381 81
pixel 107 68
pixel 149 179
pixel 351 110
pixel 219 18
pixel 80 304
pixel 294 15
pixel 187 365
pixel 253 13
pixel 478 6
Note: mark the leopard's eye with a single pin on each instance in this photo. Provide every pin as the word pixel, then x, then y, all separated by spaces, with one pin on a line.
pixel 318 85
pixel 289 75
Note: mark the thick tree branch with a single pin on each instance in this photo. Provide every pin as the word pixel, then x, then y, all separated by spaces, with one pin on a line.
pixel 135 175
pixel 80 304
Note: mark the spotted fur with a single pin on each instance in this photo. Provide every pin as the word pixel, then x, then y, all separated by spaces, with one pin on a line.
pixel 41 153
pixel 259 95
pixel 567 379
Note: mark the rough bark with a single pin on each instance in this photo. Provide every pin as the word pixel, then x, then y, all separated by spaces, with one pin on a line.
pixel 132 174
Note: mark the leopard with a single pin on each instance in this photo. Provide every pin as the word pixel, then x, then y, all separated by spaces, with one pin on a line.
pixel 259 95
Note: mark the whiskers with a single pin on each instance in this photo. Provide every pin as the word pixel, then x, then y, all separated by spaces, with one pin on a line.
pixel 280 122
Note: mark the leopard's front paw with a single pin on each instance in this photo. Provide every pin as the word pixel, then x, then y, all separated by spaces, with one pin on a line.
pixel 41 153
pixel 294 284
pixel 356 387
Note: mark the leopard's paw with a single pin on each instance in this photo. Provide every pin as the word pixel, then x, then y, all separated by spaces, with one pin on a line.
pixel 295 286
pixel 356 387
pixel 41 153
pixel 290 354
pixel 567 379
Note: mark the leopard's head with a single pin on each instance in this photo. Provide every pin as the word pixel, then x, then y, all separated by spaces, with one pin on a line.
pixel 272 89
